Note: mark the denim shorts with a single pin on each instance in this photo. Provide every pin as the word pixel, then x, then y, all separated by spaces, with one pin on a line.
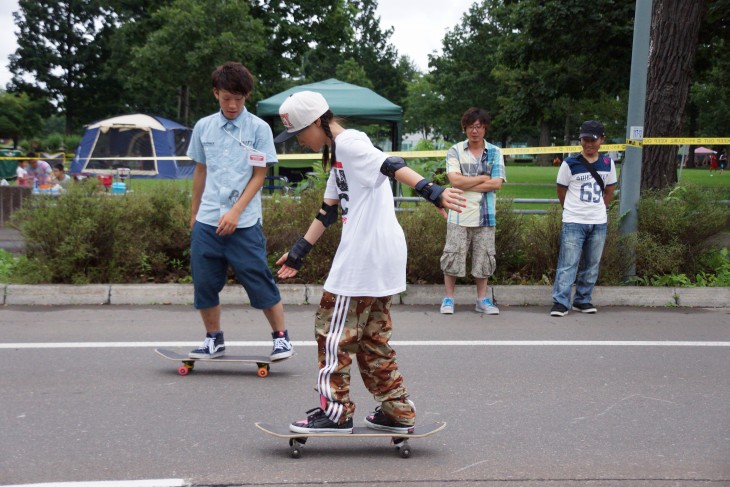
pixel 245 251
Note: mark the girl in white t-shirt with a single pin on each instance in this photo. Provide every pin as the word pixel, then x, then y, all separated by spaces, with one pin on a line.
pixel 368 268
pixel 21 174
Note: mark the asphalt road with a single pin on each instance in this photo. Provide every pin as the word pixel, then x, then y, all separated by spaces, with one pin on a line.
pixel 628 397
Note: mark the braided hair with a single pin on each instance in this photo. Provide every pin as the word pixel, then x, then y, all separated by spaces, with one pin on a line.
pixel 325 119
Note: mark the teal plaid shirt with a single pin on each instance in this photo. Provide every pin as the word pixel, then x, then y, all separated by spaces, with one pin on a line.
pixel 481 208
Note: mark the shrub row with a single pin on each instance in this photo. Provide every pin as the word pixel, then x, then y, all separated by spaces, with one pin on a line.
pixel 87 237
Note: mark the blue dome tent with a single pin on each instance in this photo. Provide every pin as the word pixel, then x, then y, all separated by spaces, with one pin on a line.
pixel 148 146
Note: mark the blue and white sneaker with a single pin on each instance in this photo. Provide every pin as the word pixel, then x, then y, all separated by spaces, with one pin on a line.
pixel 213 346
pixel 282 346
pixel 486 306
pixel 447 306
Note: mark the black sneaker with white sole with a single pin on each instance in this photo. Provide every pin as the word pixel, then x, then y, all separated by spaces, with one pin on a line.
pixel 584 308
pixel 379 421
pixel 318 422
pixel 558 310
pixel 213 346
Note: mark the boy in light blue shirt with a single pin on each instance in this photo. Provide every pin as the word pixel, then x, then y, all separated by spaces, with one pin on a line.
pixel 232 149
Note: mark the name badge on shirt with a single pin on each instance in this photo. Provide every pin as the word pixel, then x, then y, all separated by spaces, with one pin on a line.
pixel 256 158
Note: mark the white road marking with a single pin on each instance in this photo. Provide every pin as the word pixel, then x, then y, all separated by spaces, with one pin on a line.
pixel 112 483
pixel 400 343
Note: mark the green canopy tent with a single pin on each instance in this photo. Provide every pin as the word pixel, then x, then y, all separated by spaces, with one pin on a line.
pixel 355 103
pixel 345 100
pixel 8 166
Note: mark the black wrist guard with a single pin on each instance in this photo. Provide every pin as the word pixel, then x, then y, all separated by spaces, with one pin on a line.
pixel 329 216
pixel 298 252
pixel 430 191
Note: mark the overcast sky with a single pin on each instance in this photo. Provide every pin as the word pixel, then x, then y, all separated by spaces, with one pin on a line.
pixel 419 25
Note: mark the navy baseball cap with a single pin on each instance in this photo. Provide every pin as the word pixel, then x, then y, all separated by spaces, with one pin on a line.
pixel 593 129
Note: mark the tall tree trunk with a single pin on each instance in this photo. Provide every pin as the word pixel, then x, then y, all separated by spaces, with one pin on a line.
pixel 544 159
pixel 675 28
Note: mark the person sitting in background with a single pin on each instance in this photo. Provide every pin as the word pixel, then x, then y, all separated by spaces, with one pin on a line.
pixel 21 174
pixel 38 170
pixel 59 175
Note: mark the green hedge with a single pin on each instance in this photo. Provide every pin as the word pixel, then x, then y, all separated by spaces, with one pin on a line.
pixel 88 236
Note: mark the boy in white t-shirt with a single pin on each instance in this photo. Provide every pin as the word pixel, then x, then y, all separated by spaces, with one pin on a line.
pixel 585 187
pixel 368 268
pixel 60 176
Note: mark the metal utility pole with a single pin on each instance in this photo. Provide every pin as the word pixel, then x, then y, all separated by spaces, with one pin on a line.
pixel 631 167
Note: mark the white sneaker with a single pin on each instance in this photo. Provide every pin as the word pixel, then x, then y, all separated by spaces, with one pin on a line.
pixel 486 306
pixel 447 306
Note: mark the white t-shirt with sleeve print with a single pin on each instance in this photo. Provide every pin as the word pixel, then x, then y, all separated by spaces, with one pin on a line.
pixel 371 257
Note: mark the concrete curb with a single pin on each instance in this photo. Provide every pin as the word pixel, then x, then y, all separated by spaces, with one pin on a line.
pixel 297 294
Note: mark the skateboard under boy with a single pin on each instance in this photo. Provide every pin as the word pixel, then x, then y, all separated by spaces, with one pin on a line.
pixel 261 361
pixel 400 440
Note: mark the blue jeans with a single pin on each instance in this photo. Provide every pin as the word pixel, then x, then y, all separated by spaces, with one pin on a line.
pixel 579 243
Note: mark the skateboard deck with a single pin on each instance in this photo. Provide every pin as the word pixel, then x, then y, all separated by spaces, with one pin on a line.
pixel 261 361
pixel 400 440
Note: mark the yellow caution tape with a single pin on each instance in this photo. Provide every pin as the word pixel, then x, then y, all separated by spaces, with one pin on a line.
pixel 686 141
pixel 510 151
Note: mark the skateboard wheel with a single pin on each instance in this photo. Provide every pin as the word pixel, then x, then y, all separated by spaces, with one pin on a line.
pixel 295 447
pixel 404 449
pixel 263 371
pixel 183 370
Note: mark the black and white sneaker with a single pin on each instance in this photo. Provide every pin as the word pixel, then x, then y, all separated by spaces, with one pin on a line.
pixel 212 347
pixel 282 346
pixel 585 308
pixel 320 423
pixel 558 310
pixel 378 421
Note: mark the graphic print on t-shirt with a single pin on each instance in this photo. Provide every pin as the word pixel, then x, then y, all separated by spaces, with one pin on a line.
pixel 341 181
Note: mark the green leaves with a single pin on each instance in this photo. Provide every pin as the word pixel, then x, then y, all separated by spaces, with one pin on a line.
pixel 18 116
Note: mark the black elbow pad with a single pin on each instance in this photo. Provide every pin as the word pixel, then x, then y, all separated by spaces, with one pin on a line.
pixel 329 216
pixel 391 165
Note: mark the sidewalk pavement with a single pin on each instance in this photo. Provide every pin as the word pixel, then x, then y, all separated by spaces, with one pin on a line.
pixel 298 294
pixel 11 240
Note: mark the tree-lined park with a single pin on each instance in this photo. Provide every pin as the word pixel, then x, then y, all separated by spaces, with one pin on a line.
pixel 540 67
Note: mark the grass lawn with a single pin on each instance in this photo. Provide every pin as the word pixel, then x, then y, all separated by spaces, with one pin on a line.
pixel 539 182
pixel 523 181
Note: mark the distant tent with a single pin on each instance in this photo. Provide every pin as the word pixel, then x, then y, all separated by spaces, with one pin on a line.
pixel 155 140
pixel 345 100
pixel 8 166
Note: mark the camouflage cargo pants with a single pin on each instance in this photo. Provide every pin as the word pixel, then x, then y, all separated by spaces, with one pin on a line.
pixel 359 326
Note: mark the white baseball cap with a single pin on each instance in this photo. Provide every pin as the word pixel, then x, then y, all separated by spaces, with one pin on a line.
pixel 299 111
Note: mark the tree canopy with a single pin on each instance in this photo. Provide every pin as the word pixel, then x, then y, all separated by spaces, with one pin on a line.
pixel 539 66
